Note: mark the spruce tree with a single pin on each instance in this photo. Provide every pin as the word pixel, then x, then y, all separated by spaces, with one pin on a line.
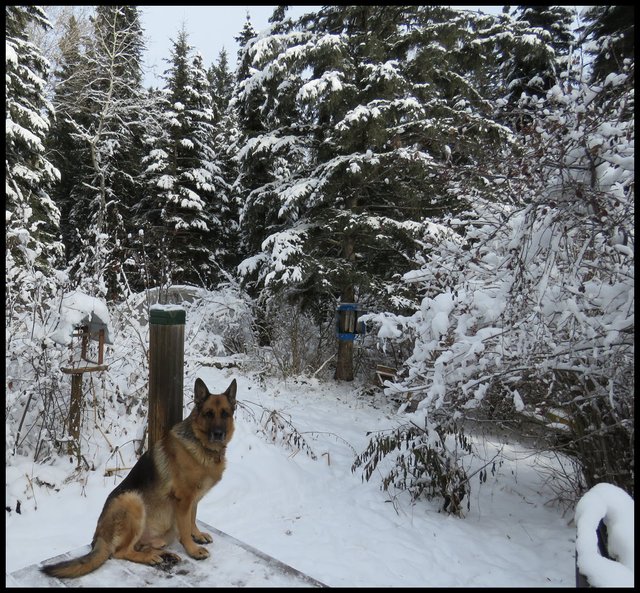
pixel 532 49
pixel 70 156
pixel 221 84
pixel 611 31
pixel 32 221
pixel 243 38
pixel 182 175
pixel 361 123
pixel 540 70
pixel 225 144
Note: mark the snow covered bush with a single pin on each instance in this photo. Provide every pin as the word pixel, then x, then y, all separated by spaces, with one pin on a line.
pixel 430 465
pixel 292 342
pixel 527 305
pixel 34 387
pixel 219 323
pixel 38 393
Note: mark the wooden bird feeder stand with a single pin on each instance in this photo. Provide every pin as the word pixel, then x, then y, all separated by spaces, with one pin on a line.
pixel 83 327
pixel 82 333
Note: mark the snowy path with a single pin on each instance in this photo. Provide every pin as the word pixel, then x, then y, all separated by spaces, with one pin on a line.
pixel 315 514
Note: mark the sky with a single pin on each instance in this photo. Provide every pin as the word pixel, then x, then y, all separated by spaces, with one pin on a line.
pixel 210 29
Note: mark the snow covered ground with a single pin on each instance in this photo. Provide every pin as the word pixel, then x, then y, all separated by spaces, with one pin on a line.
pixel 318 516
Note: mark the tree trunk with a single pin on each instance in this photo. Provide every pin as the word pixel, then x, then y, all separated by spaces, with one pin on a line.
pixel 344 364
pixel 344 361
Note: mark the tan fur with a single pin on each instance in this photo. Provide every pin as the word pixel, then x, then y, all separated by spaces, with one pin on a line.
pixel 158 500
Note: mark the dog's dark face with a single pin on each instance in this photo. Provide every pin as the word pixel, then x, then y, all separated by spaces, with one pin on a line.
pixel 213 422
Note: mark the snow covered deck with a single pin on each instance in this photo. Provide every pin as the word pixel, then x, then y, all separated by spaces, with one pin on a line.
pixel 232 564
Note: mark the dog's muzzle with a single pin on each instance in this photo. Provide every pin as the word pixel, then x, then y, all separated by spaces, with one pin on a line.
pixel 217 436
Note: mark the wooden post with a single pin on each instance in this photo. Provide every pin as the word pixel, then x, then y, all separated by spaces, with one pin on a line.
pixel 344 360
pixel 84 332
pixel 75 411
pixel 100 346
pixel 166 369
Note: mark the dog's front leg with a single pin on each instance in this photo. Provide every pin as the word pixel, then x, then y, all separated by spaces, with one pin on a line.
pixel 183 520
pixel 200 537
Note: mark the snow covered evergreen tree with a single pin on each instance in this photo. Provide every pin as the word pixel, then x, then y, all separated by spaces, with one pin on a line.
pixel 33 254
pixel 610 33
pixel 70 156
pixel 222 81
pixel 100 107
pixel 361 123
pixel 243 38
pixel 221 84
pixel 32 219
pixel 184 180
pixel 536 67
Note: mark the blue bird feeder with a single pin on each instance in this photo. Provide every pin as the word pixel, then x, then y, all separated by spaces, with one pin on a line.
pixel 348 326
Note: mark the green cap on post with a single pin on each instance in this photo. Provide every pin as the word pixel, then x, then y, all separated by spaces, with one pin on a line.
pixel 166 315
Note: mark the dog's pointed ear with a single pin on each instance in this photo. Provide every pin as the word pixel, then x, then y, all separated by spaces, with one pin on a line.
pixel 201 393
pixel 231 393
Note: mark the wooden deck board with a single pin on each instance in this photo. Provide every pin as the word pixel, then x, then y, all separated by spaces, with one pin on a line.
pixel 232 564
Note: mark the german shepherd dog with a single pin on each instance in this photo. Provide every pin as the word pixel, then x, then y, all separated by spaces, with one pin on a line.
pixel 159 497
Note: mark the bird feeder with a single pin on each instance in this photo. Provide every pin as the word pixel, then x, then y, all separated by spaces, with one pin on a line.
pixel 84 328
pixel 82 335
pixel 348 326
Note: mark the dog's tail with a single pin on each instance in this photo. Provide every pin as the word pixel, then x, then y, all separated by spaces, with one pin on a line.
pixel 78 567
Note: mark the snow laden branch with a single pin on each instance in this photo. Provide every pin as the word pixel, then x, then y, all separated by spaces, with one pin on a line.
pixel 284 252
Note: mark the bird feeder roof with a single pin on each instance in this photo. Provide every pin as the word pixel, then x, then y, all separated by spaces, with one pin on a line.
pixel 78 309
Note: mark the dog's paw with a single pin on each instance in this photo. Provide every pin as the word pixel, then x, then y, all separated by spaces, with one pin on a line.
pixel 200 537
pixel 170 558
pixel 198 553
pixel 153 558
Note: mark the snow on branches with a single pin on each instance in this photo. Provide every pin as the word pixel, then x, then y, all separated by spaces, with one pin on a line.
pixel 528 309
